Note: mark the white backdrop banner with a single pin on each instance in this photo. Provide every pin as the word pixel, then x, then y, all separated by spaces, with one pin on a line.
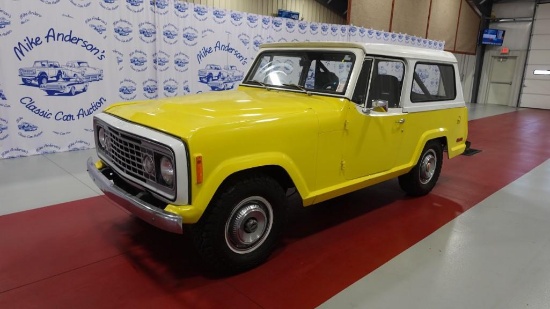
pixel 62 61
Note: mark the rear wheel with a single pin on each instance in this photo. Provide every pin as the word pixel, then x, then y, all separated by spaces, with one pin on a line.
pixel 242 224
pixel 42 79
pixel 424 175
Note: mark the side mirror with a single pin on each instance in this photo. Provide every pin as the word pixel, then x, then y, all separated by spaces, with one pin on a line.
pixel 380 105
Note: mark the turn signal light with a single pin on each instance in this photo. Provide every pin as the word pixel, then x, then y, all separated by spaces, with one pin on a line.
pixel 198 166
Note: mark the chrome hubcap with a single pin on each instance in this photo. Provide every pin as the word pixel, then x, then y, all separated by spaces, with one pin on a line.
pixel 427 166
pixel 249 224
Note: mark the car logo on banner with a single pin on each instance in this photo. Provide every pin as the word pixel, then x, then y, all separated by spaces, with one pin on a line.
pixel 277 24
pixel 159 7
pixel 200 12
pixel 257 41
pixel 237 18
pixel 3 129
pixel 245 39
pixel 334 30
pixel 150 88
pixel 290 26
pixel 147 32
pixel 27 129
pixel 170 34
pixel 170 87
pixel 127 89
pixel 138 61
pixel 266 22
pixel 302 27
pixel 252 20
pixel 385 36
pixel 190 36
pixel 181 9
pixel 161 61
pixel 5 23
pixel 109 5
pixel 314 28
pixel 181 62
pixel 135 6
pixel 123 30
pixel 98 24
pixel 220 16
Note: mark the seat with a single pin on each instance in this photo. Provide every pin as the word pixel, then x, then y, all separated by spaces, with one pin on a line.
pixel 387 88
pixel 326 81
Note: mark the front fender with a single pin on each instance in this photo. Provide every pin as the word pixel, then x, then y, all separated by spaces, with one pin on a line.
pixel 203 193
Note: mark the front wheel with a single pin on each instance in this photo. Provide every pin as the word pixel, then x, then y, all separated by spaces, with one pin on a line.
pixel 424 175
pixel 242 224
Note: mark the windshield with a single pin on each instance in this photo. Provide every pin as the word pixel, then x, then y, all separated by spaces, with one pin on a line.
pixel 319 71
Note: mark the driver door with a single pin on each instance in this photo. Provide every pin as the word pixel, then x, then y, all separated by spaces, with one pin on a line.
pixel 375 126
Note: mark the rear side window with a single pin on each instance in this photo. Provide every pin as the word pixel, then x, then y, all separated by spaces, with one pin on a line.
pixel 433 82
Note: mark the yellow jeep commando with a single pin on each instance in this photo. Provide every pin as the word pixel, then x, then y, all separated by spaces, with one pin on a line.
pixel 321 118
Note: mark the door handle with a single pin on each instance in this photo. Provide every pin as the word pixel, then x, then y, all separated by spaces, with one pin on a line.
pixel 400 121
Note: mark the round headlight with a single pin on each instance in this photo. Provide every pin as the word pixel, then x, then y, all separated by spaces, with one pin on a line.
pixel 102 138
pixel 167 170
pixel 148 165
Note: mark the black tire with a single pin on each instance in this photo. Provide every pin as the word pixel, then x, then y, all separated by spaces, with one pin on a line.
pixel 42 79
pixel 241 225
pixel 424 175
pixel 26 81
pixel 209 78
pixel 58 76
pixel 72 91
pixel 50 92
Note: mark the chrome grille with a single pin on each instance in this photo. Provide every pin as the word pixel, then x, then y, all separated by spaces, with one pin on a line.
pixel 127 154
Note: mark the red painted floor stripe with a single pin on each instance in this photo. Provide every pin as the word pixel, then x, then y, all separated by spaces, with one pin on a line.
pixel 89 254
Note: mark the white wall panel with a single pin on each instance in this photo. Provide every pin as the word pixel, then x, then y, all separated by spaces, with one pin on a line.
pixel 466 67
pixel 514 9
pixel 536 87
pixel 542 27
pixel 536 92
pixel 541 42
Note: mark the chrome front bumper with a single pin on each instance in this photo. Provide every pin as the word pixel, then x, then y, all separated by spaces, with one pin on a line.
pixel 158 217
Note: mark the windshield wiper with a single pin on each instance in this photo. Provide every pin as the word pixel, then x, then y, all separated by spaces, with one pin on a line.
pixel 296 86
pixel 257 83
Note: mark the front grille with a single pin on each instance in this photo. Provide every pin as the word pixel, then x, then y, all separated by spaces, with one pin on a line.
pixel 127 153
pixel 28 72
pixel 52 87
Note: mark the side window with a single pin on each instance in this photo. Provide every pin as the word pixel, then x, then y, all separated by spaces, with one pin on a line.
pixel 433 82
pixel 386 82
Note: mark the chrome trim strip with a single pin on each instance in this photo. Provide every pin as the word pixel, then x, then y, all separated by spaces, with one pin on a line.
pixel 155 216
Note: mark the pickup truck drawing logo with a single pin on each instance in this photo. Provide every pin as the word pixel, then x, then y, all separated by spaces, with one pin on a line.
pixel 220 79
pixel 43 71
pixel 190 36
pixel 160 61
pixel 170 88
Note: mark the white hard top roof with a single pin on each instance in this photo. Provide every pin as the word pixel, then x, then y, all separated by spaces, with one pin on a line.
pixel 391 50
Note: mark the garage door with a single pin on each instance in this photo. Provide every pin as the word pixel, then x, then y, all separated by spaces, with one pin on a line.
pixel 536 90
